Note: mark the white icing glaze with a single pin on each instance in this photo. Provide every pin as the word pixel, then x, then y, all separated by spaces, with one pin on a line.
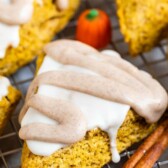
pixel 100 113
pixel 9 37
pixel 4 84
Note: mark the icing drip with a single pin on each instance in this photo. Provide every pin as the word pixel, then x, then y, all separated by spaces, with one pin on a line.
pixel 97 84
pixel 4 84
pixel 113 134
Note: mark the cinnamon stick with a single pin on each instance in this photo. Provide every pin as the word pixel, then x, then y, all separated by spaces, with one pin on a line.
pixel 148 143
pixel 152 155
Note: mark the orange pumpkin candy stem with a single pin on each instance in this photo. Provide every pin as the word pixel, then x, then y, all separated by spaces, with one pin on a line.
pixel 94 28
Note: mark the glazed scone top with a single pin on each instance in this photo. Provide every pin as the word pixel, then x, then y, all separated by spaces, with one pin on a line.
pixel 21 10
pixel 14 13
pixel 116 80
pixel 4 84
pixel 95 77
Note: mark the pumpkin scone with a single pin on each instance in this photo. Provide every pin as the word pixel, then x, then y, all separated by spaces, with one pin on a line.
pixel 9 97
pixel 143 23
pixel 84 107
pixel 33 24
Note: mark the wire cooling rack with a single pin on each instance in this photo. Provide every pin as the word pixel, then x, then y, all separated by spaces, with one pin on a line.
pixel 154 62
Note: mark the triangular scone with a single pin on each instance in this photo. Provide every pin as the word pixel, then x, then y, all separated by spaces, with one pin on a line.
pixel 55 82
pixel 143 23
pixel 47 19
pixel 9 97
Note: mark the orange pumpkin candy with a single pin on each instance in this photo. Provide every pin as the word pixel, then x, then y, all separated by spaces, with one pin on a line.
pixel 94 28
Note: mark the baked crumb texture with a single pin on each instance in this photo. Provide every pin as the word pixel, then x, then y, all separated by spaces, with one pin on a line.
pixel 143 23
pixel 46 21
pixel 7 105
pixel 94 150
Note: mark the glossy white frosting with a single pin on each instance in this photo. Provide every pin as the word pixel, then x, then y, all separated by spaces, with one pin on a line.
pixel 98 112
pixel 4 84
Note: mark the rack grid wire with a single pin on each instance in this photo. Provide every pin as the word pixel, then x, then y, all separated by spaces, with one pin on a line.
pixel 155 62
